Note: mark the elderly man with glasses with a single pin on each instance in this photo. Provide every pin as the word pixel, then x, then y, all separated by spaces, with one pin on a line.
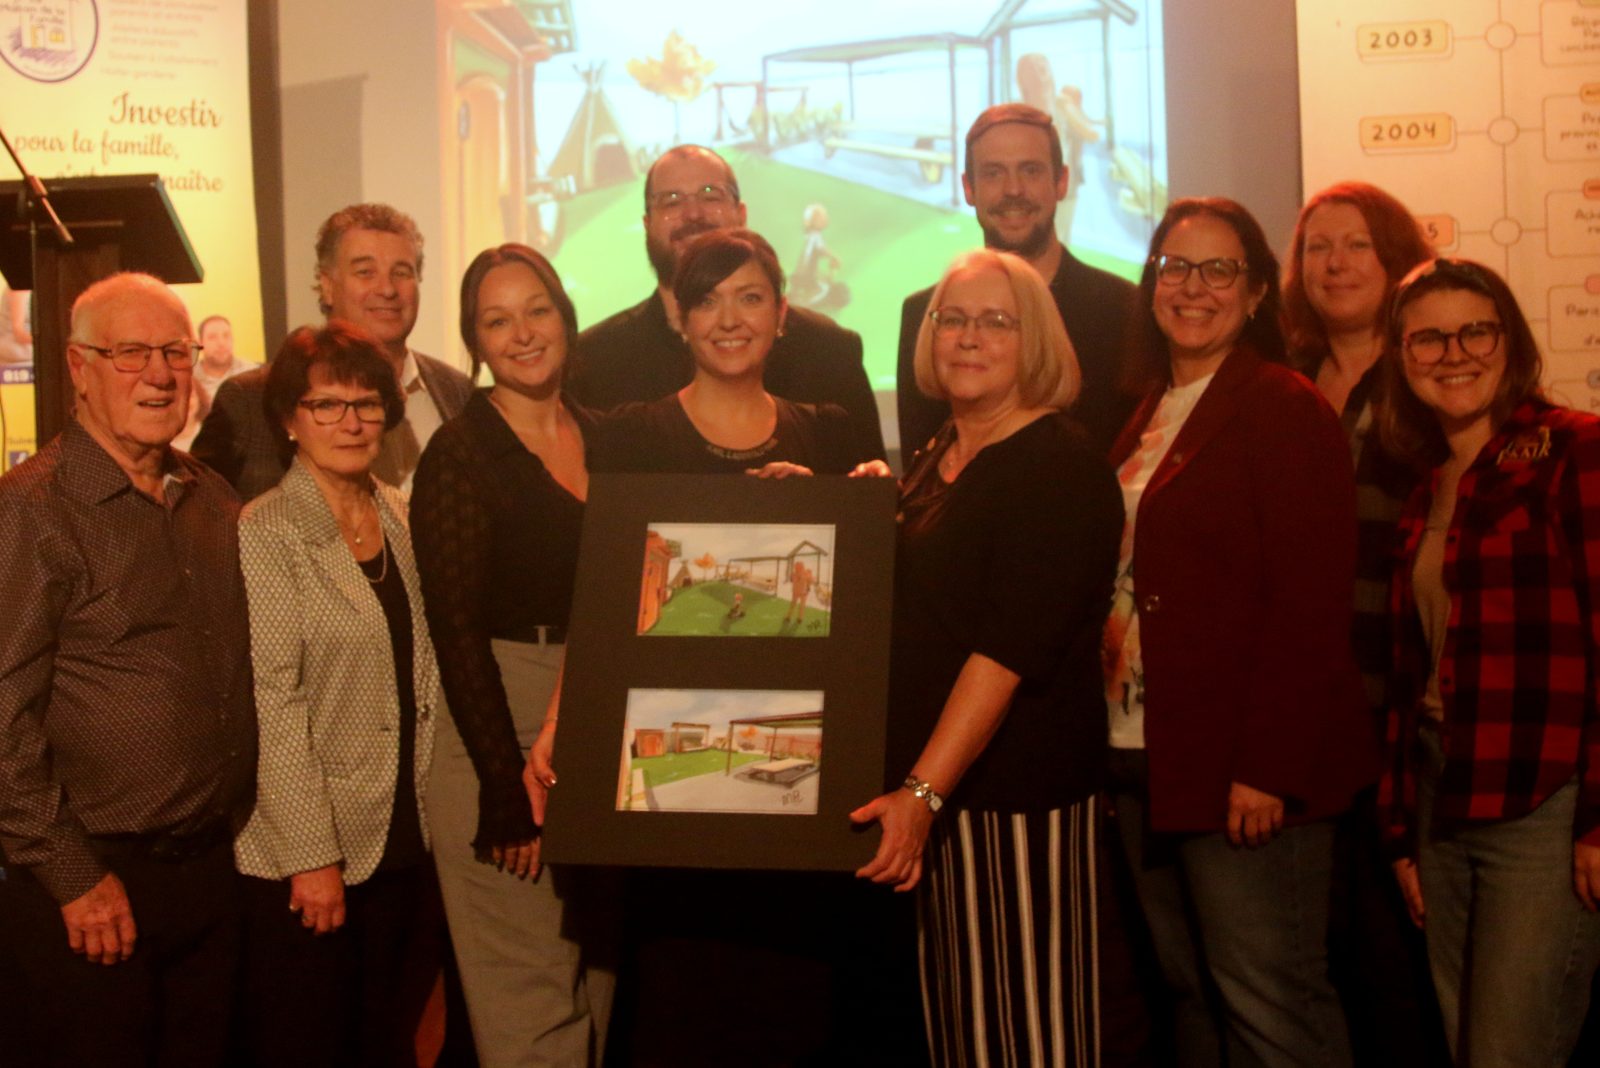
pixel 640 355
pixel 127 728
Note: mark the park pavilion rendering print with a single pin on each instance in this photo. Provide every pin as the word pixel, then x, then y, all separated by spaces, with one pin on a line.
pixel 723 580
pixel 746 751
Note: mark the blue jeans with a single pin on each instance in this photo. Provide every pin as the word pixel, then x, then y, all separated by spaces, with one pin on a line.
pixel 1511 948
pixel 1255 921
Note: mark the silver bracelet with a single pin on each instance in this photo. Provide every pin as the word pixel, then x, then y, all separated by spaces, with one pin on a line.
pixel 924 791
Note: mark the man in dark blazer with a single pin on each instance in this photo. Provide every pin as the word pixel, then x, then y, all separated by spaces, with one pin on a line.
pixel 1014 179
pixel 638 354
pixel 369 266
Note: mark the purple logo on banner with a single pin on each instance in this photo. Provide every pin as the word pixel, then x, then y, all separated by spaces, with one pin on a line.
pixel 48 40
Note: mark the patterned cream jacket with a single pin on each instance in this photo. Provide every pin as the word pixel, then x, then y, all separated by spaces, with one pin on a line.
pixel 326 700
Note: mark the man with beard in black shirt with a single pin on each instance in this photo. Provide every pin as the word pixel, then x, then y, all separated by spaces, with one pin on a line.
pixel 639 354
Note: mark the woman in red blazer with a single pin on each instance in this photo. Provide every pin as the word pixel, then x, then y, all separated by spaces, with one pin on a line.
pixel 1236 713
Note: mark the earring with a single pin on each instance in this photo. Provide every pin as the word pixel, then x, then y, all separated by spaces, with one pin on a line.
pixel 292 438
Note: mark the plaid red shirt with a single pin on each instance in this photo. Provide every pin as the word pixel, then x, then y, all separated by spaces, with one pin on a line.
pixel 1521 656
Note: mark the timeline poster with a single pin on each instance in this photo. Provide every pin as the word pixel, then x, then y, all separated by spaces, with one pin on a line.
pixel 1483 116
pixel 105 87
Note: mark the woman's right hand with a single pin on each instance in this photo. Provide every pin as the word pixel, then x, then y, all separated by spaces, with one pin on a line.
pixel 519 858
pixel 779 469
pixel 318 896
pixel 905 820
pixel 1405 872
pixel 522 858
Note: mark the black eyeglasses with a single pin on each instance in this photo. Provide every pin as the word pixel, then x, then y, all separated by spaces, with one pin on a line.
pixel 1219 273
pixel 954 321
pixel 326 411
pixel 1425 348
pixel 671 201
pixel 132 357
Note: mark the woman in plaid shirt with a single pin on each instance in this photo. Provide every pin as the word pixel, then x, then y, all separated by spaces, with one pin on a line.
pixel 1491 797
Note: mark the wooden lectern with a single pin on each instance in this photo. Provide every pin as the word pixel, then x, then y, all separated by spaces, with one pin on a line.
pixel 119 223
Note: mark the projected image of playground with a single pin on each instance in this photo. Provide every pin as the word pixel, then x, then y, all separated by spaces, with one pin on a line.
pixel 732 580
pixel 750 751
pixel 844 123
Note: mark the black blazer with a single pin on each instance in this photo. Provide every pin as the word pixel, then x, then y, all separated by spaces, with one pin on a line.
pixel 1096 308
pixel 236 442
pixel 636 356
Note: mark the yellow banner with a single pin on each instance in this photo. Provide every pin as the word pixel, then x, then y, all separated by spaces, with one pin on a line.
pixel 105 87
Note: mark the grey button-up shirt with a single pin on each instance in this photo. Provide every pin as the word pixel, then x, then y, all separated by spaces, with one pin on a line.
pixel 125 694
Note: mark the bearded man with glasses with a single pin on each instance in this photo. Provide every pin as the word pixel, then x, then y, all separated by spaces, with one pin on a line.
pixel 639 354
pixel 127 728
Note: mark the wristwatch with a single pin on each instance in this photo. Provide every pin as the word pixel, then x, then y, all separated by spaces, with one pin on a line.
pixel 925 792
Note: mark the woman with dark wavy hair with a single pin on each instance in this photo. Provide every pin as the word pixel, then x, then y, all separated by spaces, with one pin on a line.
pixel 1491 792
pixel 1235 709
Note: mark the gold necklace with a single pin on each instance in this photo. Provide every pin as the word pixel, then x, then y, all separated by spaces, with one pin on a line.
pixel 383 563
pixel 950 461
pixel 355 531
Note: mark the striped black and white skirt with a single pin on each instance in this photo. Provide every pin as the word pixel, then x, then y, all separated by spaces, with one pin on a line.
pixel 1007 939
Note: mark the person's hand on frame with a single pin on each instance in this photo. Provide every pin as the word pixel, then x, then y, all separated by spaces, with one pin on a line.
pixel 905 820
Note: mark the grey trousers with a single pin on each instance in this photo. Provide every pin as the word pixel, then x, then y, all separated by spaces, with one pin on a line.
pixel 533 996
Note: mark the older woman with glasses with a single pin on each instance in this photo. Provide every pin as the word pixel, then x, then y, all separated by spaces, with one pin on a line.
pixel 342 905
pixel 1235 708
pixel 1007 546
pixel 1491 795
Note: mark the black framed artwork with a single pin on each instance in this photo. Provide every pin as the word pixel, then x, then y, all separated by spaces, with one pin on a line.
pixel 726 680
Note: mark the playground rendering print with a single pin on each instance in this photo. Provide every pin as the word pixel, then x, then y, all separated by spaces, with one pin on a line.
pixel 761 580
pixel 743 751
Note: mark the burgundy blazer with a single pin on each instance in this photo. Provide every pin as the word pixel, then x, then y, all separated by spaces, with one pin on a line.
pixel 1243 562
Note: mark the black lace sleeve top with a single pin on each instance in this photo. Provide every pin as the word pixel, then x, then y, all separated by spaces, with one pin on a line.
pixel 496 540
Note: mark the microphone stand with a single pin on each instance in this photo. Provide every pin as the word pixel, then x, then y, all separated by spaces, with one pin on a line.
pixel 34 195
pixel 32 200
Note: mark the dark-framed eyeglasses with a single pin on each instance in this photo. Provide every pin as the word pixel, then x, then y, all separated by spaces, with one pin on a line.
pixel 954 321
pixel 1425 348
pixel 132 357
pixel 326 411
pixel 1219 273
pixel 710 195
